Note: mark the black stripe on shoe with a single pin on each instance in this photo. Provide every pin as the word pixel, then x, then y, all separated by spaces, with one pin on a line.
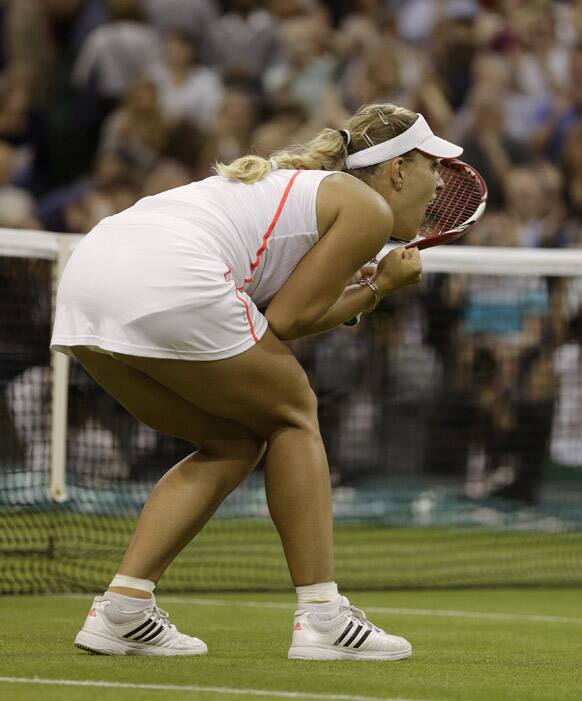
pixel 136 630
pixel 146 631
pixel 156 632
pixel 354 636
pixel 361 640
pixel 346 631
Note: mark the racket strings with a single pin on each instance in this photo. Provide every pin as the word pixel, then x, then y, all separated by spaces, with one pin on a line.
pixel 455 204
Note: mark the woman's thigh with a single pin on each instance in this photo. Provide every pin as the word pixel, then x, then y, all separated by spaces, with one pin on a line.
pixel 160 407
pixel 263 389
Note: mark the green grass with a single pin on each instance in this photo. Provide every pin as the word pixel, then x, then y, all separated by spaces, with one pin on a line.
pixel 455 658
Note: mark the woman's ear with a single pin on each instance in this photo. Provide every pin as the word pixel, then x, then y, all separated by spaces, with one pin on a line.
pixel 396 172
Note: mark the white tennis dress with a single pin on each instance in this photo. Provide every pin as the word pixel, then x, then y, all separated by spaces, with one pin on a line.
pixel 183 274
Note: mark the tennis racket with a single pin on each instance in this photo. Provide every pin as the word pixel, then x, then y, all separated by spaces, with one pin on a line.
pixel 458 206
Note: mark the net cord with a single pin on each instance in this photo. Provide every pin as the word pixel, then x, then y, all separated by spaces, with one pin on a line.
pixel 492 260
pixel 60 396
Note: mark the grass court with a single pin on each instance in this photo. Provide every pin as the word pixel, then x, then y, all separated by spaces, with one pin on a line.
pixel 469 645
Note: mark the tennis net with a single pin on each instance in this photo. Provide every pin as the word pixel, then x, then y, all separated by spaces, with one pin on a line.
pixel 452 418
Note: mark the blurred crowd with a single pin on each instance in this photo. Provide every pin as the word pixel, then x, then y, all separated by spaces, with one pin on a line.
pixel 105 101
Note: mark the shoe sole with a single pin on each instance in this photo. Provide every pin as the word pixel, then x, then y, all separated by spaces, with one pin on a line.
pixel 102 645
pixel 332 653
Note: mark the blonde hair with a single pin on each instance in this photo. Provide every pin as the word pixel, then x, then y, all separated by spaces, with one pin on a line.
pixel 371 124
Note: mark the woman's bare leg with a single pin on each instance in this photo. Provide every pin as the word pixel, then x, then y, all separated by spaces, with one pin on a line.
pixel 299 497
pixel 266 391
pixel 186 496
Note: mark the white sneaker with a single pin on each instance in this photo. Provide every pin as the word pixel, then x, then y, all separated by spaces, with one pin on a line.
pixel 346 636
pixel 111 631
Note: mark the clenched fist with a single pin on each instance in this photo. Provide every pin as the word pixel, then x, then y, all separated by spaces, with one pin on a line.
pixel 401 267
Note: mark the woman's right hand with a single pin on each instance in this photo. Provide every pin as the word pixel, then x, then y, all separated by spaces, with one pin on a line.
pixel 399 268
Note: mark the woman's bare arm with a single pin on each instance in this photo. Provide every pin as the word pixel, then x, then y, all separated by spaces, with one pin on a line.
pixel 399 268
pixel 354 223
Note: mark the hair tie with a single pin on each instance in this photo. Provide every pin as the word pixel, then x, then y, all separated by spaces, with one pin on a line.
pixel 346 136
pixel 273 163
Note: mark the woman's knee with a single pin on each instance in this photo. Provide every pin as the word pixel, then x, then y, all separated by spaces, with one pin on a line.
pixel 297 411
pixel 247 451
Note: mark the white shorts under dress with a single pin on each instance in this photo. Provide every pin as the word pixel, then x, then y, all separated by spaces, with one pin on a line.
pixel 173 284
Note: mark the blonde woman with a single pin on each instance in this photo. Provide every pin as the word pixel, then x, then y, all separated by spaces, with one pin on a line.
pixel 160 304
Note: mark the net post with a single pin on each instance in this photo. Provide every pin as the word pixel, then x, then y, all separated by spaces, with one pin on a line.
pixel 60 395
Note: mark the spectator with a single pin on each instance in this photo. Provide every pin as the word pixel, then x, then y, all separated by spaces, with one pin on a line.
pixel 309 64
pixel 566 438
pixel 115 54
pixel 541 60
pixel 245 42
pixel 97 203
pixel 572 170
pixel 572 167
pixel 166 175
pixel 489 147
pixel 513 420
pixel 288 124
pixel 492 75
pixel 19 121
pixel 230 135
pixel 186 90
pixel 282 10
pixel 46 36
pixel 194 18
pixel 137 128
pixel 376 77
pixel 17 206
pixel 559 115
pixel 364 30
pixel 455 47
pixel 56 207
pixel 537 223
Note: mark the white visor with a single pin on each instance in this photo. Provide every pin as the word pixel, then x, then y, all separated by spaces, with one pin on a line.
pixel 419 136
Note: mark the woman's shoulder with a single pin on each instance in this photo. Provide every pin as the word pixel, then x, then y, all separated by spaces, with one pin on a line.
pixel 344 190
pixel 340 193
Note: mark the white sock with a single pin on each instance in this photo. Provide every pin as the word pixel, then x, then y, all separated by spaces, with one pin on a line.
pixel 129 604
pixel 122 580
pixel 316 594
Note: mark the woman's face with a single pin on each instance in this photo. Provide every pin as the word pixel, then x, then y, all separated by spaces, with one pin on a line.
pixel 409 189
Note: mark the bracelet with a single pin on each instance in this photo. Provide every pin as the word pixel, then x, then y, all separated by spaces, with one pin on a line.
pixel 375 289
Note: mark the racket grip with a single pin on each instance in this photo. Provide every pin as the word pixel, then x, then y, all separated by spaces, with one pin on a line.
pixel 354 321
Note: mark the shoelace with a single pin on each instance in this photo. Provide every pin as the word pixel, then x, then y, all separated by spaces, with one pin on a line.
pixel 161 616
pixel 360 615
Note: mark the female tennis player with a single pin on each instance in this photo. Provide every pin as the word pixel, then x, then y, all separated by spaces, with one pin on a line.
pixel 161 305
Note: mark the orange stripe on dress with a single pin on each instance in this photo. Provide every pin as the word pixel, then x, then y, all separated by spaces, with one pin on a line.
pixel 269 231
pixel 241 299
pixel 248 311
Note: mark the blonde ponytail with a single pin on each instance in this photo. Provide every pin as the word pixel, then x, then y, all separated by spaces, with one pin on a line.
pixel 372 124
pixel 247 169
pixel 327 151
